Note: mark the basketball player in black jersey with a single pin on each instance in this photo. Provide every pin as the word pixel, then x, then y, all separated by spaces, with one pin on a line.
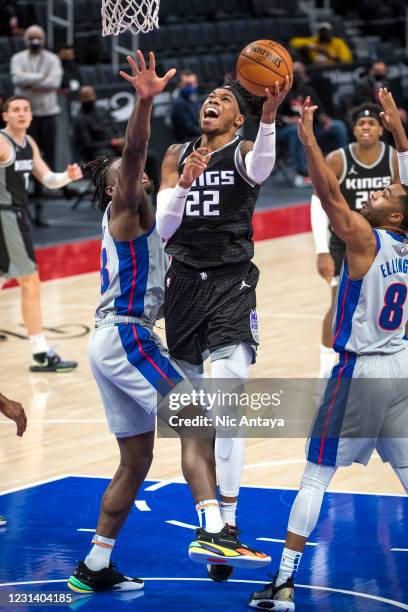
pixel 363 167
pixel 205 206
pixel 20 157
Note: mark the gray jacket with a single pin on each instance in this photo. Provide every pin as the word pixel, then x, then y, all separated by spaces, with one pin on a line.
pixel 37 77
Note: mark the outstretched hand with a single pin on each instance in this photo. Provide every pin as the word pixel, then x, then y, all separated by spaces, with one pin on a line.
pixel 305 124
pixel 390 115
pixel 145 80
pixel 274 97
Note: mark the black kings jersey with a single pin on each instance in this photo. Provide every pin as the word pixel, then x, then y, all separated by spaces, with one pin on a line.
pixel 216 228
pixel 14 176
pixel 359 181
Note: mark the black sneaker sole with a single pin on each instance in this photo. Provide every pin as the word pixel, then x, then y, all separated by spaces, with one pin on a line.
pixel 271 604
pixel 219 573
pixel 80 586
pixel 54 370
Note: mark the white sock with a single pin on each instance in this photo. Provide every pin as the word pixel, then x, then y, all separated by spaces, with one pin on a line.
pixel 39 343
pixel 288 566
pixel 328 359
pixel 99 556
pixel 209 510
pixel 228 513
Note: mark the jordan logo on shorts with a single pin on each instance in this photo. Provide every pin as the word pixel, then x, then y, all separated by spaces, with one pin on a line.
pixel 243 284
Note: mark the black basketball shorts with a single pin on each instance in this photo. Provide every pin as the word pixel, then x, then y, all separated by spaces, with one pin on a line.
pixel 17 258
pixel 210 310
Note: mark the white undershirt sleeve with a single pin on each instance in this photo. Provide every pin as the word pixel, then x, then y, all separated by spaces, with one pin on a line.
pixel 320 225
pixel 170 209
pixel 403 167
pixel 55 180
pixel 260 161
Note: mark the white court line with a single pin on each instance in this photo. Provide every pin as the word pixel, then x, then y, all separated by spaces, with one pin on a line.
pixel 181 524
pixel 35 484
pixel 90 530
pixel 283 541
pixel 391 602
pixel 141 505
pixel 399 549
pixel 163 483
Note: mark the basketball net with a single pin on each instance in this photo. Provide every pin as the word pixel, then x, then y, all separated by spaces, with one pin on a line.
pixel 134 15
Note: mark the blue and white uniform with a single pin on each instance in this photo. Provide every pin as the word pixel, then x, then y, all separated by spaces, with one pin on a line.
pixel 127 358
pixel 365 405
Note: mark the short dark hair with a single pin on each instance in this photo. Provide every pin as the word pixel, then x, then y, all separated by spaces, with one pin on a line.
pixel 374 109
pixel 9 100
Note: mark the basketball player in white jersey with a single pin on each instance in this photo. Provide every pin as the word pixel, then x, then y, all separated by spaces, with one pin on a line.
pixel 365 403
pixel 19 158
pixel 362 167
pixel 14 411
pixel 128 360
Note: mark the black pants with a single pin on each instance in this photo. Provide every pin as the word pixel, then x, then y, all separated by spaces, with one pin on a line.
pixel 44 132
pixel 209 309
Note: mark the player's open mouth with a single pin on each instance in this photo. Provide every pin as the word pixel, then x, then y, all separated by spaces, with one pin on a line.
pixel 211 112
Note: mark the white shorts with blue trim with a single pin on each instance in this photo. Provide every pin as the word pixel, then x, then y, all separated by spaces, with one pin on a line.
pixel 133 371
pixel 365 407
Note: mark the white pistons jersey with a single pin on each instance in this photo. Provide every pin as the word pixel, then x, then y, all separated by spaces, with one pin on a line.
pixel 132 275
pixel 370 314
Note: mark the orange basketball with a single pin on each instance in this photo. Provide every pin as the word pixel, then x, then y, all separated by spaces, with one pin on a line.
pixel 261 63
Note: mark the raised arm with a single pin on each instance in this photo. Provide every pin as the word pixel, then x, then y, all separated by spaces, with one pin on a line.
pixel 147 85
pixel 392 122
pixel 260 156
pixel 349 225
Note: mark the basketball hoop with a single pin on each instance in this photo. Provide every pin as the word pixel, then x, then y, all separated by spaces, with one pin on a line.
pixel 134 15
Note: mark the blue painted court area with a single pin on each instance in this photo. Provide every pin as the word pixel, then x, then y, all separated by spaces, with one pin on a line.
pixel 352 567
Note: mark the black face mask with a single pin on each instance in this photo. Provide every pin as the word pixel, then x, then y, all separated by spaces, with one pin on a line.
pixel 35 45
pixel 88 106
pixel 325 37
pixel 379 77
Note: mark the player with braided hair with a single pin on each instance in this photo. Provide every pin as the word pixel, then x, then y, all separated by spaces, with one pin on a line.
pixel 204 211
pixel 130 365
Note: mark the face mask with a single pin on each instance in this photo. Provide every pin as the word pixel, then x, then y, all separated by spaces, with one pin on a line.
pixel 188 90
pixel 325 37
pixel 35 45
pixel 88 106
pixel 379 77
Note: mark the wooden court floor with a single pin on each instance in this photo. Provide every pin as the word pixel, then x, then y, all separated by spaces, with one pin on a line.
pixel 66 431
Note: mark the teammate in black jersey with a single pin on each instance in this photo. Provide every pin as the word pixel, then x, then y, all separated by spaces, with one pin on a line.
pixel 19 157
pixel 363 167
pixel 205 206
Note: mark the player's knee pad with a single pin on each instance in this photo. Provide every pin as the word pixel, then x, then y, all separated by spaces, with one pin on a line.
pixel 223 448
pixel 306 507
pixel 234 366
